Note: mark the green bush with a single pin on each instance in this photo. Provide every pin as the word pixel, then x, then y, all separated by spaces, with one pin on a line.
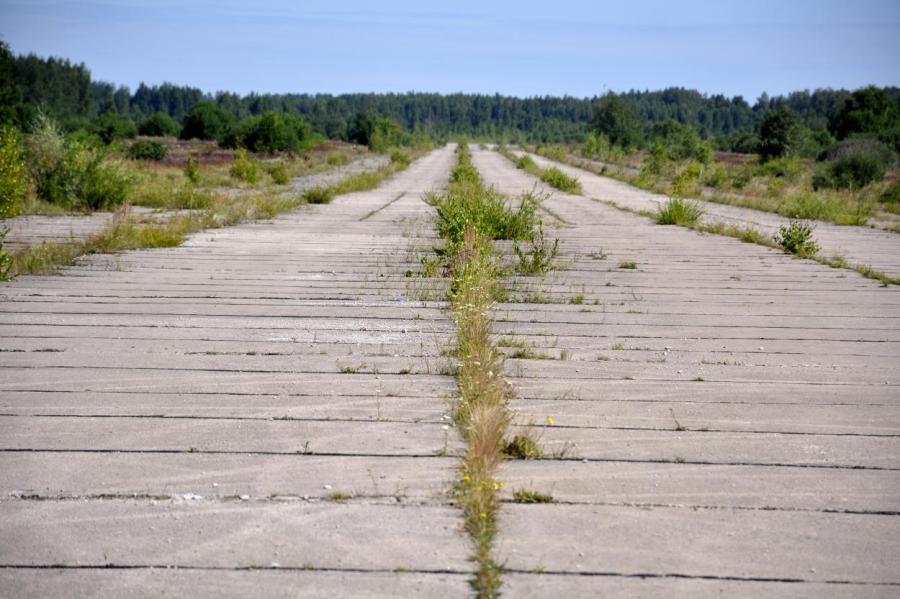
pixel 206 121
pixel 244 168
pixel 159 124
pixel 526 163
pixel 556 178
pixel 796 238
pixel 279 174
pixel 891 195
pixel 111 127
pixel 147 150
pixel 101 184
pixel 376 132
pixel 192 170
pixel 13 175
pixel 851 172
pixel 400 158
pixel 70 173
pixel 681 142
pixel 785 167
pixel 318 195
pixel 270 132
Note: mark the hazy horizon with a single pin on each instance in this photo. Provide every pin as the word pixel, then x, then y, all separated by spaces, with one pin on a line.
pixel 572 48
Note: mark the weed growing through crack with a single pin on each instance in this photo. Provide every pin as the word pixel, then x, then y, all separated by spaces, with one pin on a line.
pixel 796 238
pixel 525 496
pixel 678 211
pixel 539 258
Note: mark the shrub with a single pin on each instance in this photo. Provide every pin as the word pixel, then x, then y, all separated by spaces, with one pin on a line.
pixel 101 183
pixel 270 132
pixel 13 175
pixel 678 211
pixel 686 181
pixel 526 163
pixel 337 159
pixel 318 195
pixel 400 158
pixel 192 170
pixel 111 127
pixel 72 174
pixel 851 172
pixel 853 163
pixel 539 259
pixel 279 174
pixel 487 211
pixel 244 168
pixel 147 150
pixel 376 132
pixel 561 181
pixel 159 124
pixel 787 168
pixel 681 142
pixel 6 262
pixel 206 121
pixel 796 238
pixel 891 195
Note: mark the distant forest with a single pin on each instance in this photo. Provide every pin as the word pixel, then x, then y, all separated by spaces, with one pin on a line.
pixel 66 92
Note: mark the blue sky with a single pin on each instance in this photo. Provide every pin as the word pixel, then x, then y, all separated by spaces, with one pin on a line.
pixel 557 47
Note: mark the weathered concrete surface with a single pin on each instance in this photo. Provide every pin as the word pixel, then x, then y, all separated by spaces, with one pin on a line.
pixel 727 416
pixel 151 583
pixel 264 396
pixel 858 245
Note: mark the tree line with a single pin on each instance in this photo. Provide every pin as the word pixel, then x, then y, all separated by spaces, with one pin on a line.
pixel 66 91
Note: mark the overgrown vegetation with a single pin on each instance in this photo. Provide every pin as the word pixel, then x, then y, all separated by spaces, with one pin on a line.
pixel 469 216
pixel 70 173
pixel 147 150
pixel 556 178
pixel 797 238
pixel 678 211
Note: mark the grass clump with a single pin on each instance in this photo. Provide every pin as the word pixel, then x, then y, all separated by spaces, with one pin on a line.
pixel 318 195
pixel 556 178
pixel 678 211
pixel 470 204
pixel 539 259
pixel 796 238
pixel 628 265
pixel 526 163
pixel 523 447
pixel 244 168
pixel 279 173
pixel 525 496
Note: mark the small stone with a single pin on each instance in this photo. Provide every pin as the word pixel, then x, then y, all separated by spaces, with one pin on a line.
pixel 245 498
pixel 327 487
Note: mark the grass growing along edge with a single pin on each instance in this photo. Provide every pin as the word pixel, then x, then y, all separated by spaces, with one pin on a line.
pixel 689 212
pixel 210 212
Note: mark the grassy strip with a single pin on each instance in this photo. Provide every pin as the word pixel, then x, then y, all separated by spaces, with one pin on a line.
pixel 788 194
pixel 687 214
pixel 469 217
pixel 129 233
pixel 552 176
pixel 361 181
